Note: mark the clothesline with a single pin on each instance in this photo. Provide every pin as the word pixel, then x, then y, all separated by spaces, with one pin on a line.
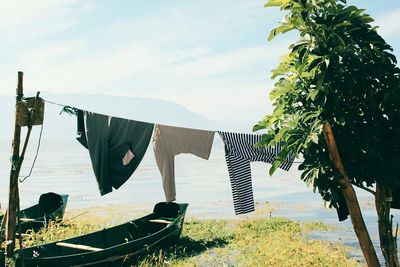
pixel 116 147
pixel 65 108
pixel 68 108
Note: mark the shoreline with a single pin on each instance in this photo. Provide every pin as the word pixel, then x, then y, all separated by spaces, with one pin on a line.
pixel 246 241
pixel 341 233
pixel 333 233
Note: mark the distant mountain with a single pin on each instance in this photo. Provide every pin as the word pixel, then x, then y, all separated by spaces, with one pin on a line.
pixel 137 108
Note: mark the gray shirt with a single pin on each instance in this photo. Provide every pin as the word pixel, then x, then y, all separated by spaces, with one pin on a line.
pixel 169 141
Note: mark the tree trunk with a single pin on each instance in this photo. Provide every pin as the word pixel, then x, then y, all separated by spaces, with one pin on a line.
pixel 388 243
pixel 351 199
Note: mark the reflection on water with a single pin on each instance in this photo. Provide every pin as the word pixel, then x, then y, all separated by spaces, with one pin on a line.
pixel 64 167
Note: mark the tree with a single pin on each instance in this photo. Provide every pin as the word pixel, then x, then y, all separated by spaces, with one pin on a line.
pixel 339 85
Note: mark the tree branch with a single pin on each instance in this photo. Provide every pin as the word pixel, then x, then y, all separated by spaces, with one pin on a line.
pixel 365 188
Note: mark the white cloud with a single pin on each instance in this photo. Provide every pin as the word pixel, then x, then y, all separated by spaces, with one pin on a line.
pixel 26 12
pixel 235 79
pixel 24 23
pixel 189 23
pixel 387 23
pixel 174 56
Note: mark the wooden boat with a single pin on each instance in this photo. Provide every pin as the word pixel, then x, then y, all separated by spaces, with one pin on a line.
pixel 111 244
pixel 51 206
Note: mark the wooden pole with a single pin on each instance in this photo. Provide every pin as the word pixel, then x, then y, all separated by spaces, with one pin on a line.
pixel 351 200
pixel 383 197
pixel 13 196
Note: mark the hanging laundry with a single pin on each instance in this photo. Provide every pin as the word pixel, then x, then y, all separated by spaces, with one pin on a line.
pixel 239 152
pixel 116 146
pixel 342 209
pixel 169 141
pixel 395 204
pixel 81 128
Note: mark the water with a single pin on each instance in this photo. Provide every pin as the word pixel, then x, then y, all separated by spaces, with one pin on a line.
pixel 64 167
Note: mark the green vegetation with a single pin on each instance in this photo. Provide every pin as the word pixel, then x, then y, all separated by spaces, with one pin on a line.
pixel 250 242
pixel 58 231
pixel 340 74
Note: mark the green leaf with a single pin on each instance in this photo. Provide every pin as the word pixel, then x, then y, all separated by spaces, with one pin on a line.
pixel 350 9
pixel 274 167
pixel 304 15
pixel 309 176
pixel 280 89
pixel 340 39
pixel 344 24
pixel 358 12
pixel 391 57
pixel 314 63
pixel 313 94
pixel 266 139
pixel 302 54
pixel 366 19
pixel 272 3
pixel 299 45
pixel 320 20
pixel 281 29
pixel 280 134
pixel 308 116
pixel 314 138
pixel 259 126
pixel 374 28
pixel 278 111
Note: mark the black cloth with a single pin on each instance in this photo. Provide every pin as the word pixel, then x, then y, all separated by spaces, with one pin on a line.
pixel 395 198
pixel 109 139
pixel 81 132
pixel 342 210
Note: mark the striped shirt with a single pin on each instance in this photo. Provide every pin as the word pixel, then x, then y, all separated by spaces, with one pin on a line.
pixel 240 150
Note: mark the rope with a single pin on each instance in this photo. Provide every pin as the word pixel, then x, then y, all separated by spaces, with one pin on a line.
pixel 36 155
pixel 54 103
pixel 14 161
pixel 73 111
pixel 69 110
pixel 83 213
pixel 65 108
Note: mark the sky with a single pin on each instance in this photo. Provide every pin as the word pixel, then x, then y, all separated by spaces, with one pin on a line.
pixel 210 56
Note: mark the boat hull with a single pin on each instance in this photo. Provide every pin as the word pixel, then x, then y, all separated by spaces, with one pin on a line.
pixel 51 207
pixel 112 244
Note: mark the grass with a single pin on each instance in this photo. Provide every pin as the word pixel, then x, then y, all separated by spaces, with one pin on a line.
pixel 58 231
pixel 249 242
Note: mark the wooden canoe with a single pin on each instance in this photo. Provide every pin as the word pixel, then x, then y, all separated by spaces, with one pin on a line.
pixel 51 206
pixel 109 245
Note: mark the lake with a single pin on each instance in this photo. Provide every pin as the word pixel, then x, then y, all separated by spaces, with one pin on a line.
pixel 63 166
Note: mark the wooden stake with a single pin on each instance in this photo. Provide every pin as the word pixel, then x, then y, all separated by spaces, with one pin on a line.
pixel 13 195
pixel 351 199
